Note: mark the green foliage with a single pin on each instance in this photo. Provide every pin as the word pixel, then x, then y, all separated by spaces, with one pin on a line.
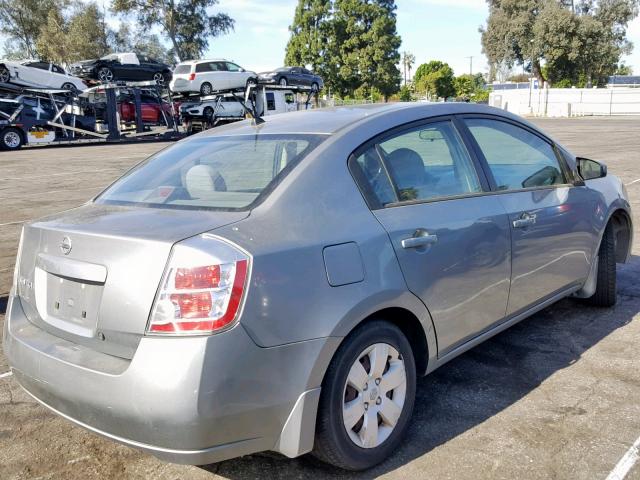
pixel 405 94
pixel 353 44
pixel 586 41
pixel 623 70
pixel 80 34
pixel 436 79
pixel 480 95
pixel 468 85
pixel 189 24
pixel 408 59
pixel 310 39
pixel 21 21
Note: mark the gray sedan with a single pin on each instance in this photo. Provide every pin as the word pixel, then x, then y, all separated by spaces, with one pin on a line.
pixel 281 286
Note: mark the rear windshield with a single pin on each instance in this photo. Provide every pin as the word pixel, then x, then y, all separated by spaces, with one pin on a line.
pixel 221 173
pixel 183 69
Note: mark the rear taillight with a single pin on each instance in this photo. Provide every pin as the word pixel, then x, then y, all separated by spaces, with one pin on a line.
pixel 201 292
pixel 192 77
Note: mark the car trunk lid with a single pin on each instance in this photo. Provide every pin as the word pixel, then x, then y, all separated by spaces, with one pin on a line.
pixel 91 274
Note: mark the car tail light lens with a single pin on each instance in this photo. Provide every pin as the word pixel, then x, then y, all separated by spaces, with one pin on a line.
pixel 192 76
pixel 200 292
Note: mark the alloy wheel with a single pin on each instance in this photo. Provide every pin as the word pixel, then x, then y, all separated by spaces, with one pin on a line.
pixel 374 395
pixel 283 82
pixel 105 75
pixel 158 78
pixel 12 139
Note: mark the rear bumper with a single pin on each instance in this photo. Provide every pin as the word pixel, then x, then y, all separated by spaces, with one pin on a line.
pixel 186 400
pixel 182 85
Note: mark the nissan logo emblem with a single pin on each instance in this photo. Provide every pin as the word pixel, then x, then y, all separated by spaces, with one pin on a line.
pixel 65 246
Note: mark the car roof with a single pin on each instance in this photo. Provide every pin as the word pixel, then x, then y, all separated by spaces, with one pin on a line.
pixel 203 60
pixel 331 120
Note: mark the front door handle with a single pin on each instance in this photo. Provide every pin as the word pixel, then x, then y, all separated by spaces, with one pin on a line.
pixel 525 220
pixel 421 238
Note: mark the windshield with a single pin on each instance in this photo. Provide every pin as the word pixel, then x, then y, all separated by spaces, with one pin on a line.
pixel 226 172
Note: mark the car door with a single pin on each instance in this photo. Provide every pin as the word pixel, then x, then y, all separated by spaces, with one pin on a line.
pixel 450 237
pixel 235 75
pixel 552 239
pixel 35 74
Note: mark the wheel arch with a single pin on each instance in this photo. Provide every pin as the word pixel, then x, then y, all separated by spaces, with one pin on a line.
pixel 620 220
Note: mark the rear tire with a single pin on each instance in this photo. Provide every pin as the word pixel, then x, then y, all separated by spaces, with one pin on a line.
pixel 105 75
pixel 11 139
pixel 206 89
pixel 350 447
pixel 605 294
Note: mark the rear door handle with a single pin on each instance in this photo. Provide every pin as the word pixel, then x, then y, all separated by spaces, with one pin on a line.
pixel 421 238
pixel 525 220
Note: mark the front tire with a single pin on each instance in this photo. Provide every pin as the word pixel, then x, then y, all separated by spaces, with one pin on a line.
pixel 5 76
pixel 283 82
pixel 11 139
pixel 367 398
pixel 605 294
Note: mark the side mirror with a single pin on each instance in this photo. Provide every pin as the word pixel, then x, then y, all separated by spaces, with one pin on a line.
pixel 590 169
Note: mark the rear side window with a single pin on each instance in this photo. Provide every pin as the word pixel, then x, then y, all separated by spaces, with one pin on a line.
pixel 183 69
pixel 205 67
pixel 517 158
pixel 422 163
pixel 226 172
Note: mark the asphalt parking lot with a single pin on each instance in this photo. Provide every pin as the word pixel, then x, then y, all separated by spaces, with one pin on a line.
pixel 556 396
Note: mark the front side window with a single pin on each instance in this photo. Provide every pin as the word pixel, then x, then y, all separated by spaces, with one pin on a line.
pixel 232 67
pixel 226 172
pixel 517 158
pixel 422 163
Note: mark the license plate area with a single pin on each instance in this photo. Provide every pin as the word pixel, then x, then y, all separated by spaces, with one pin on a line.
pixel 68 304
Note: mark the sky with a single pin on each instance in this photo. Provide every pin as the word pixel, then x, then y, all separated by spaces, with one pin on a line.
pixel 444 30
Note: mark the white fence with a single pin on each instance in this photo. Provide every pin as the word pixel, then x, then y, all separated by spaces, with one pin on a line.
pixel 568 102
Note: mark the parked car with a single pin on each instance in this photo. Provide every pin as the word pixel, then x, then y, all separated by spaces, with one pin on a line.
pixel 33 73
pixel 123 66
pixel 207 76
pixel 294 76
pixel 280 286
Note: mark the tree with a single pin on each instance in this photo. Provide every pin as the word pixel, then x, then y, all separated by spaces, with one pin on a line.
pixel 408 59
pixel 21 20
pixel 435 78
pixel 580 41
pixel 353 44
pixel 77 35
pixel 188 23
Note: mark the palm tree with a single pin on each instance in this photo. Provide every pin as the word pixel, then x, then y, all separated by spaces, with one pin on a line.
pixel 408 59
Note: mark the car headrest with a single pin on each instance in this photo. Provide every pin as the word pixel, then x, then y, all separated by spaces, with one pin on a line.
pixel 202 180
pixel 406 167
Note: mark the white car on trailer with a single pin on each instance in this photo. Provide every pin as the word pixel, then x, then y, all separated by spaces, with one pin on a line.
pixel 34 73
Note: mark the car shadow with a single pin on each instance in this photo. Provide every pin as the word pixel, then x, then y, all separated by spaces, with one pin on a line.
pixel 477 385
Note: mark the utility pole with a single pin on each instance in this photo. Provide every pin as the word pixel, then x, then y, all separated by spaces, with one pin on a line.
pixel 470 64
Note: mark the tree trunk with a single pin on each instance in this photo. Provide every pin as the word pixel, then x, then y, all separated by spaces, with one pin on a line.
pixel 536 70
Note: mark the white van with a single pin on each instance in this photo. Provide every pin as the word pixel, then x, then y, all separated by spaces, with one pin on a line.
pixel 208 76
